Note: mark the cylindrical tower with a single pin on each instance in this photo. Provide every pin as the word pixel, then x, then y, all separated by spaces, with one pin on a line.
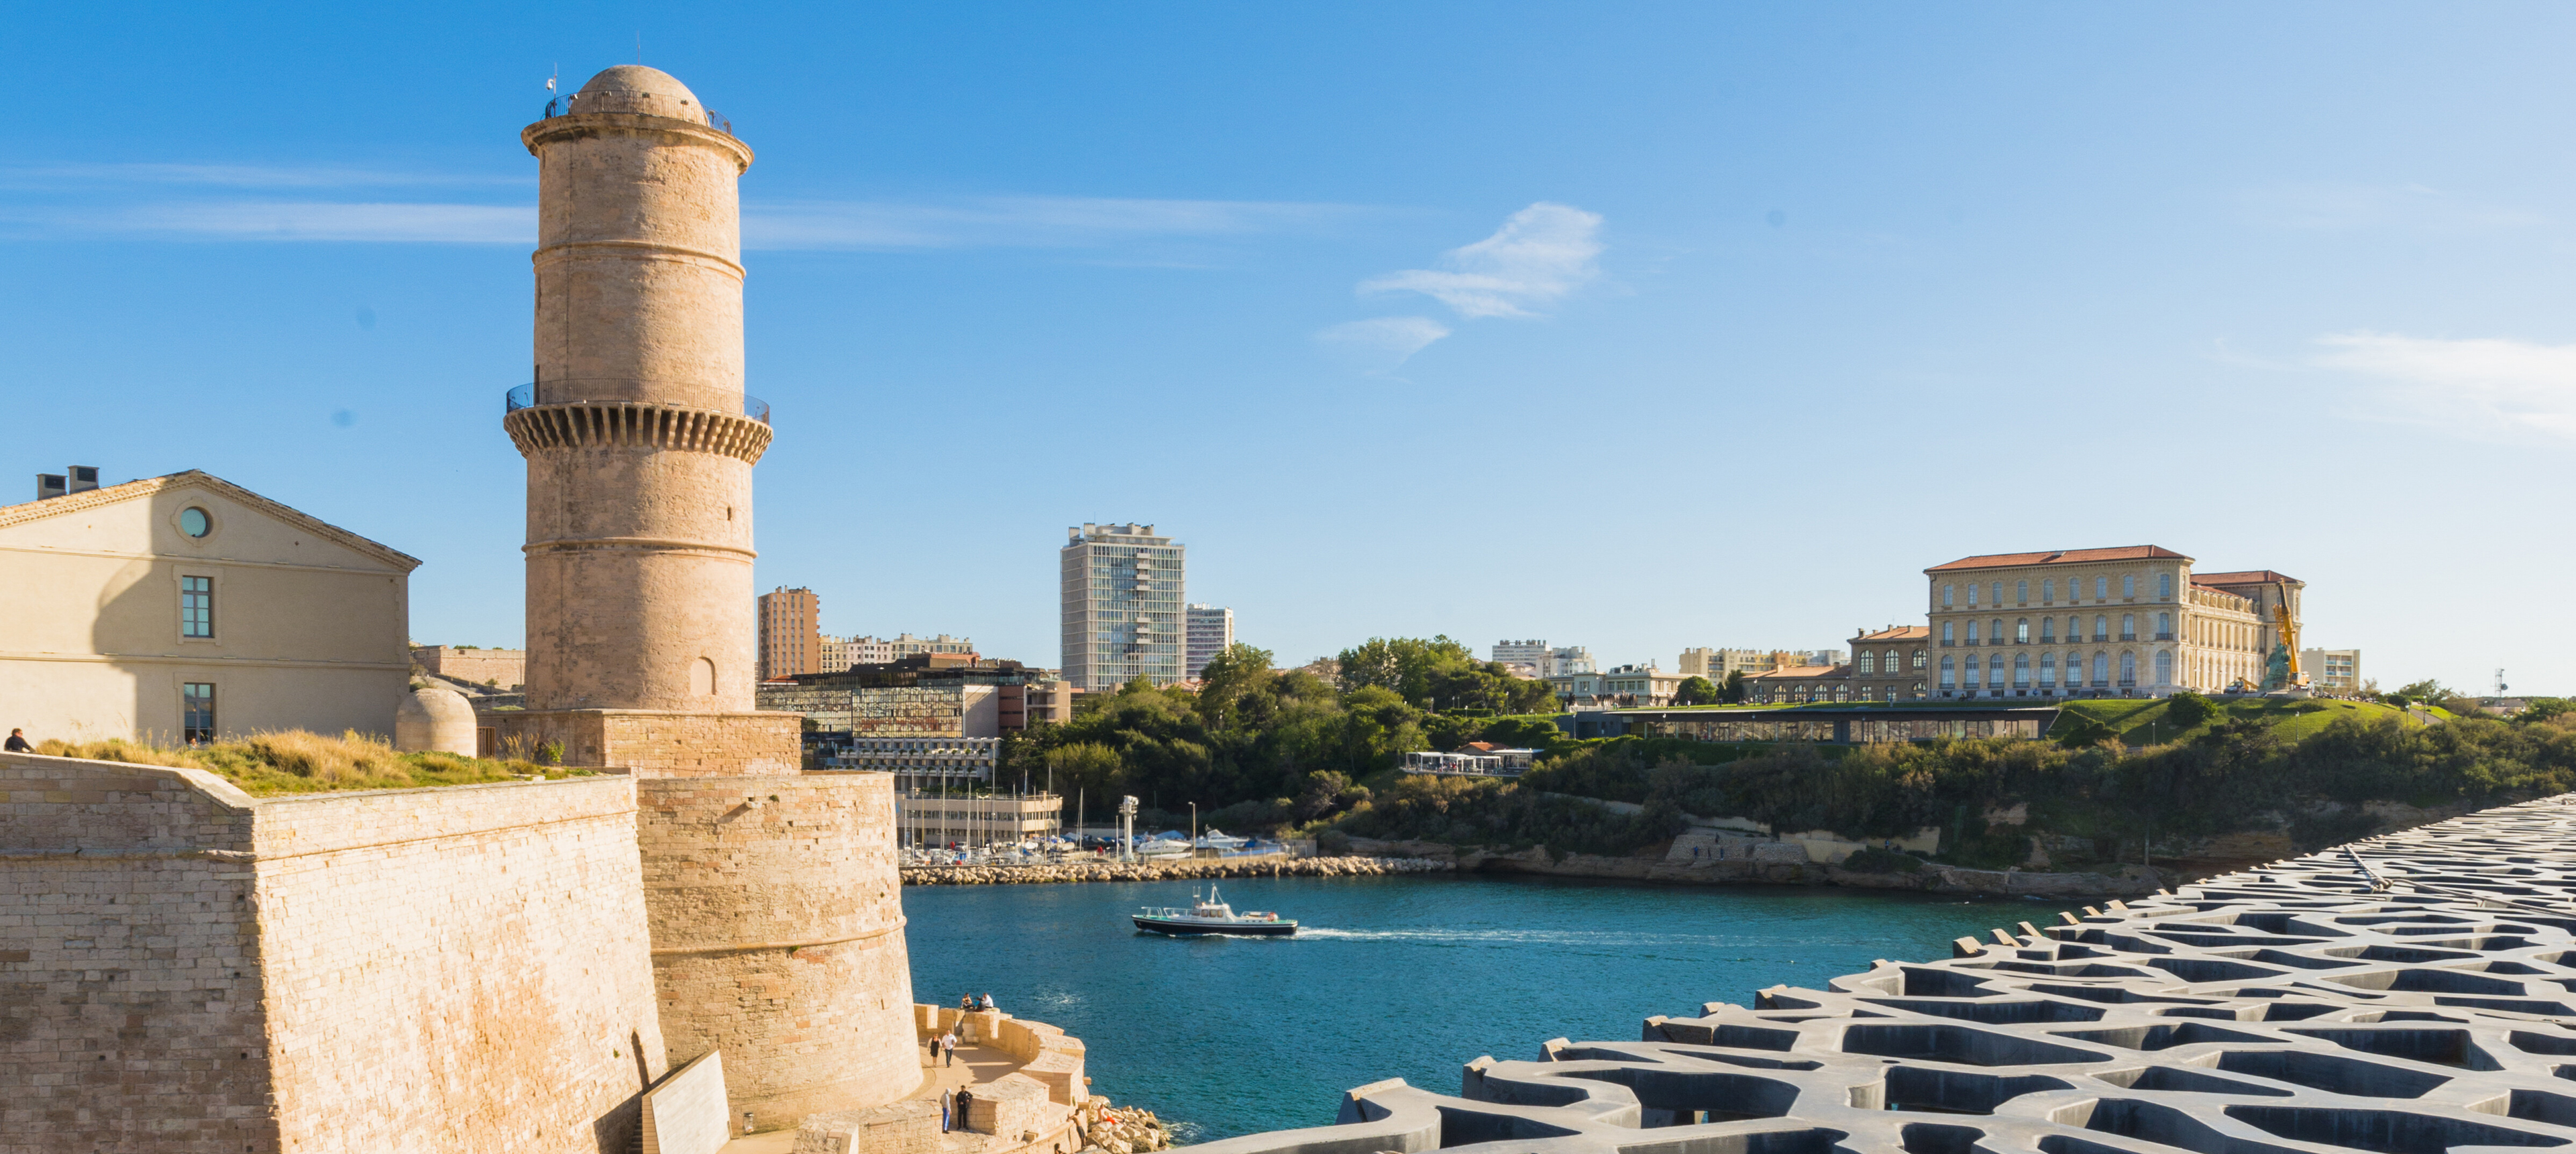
pixel 638 438
pixel 772 896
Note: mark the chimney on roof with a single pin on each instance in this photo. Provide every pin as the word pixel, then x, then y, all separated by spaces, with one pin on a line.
pixel 49 485
pixel 83 478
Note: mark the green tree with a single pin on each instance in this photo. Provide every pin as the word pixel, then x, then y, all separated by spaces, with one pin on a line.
pixel 1236 670
pixel 2187 709
pixel 1732 693
pixel 1696 691
pixel 1405 665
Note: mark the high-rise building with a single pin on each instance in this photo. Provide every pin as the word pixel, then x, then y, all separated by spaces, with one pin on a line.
pixel 1211 630
pixel 791 639
pixel 1122 598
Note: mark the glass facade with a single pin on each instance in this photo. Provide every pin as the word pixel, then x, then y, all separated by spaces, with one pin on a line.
pixel 1123 607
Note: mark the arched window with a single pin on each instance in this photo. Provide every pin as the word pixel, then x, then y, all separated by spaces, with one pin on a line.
pixel 2101 588
pixel 2047 630
pixel 1949 672
pixel 2128 584
pixel 1972 633
pixel 2021 631
pixel 2128 627
pixel 2021 592
pixel 1947 634
pixel 2048 591
pixel 1972 671
pixel 1918 689
pixel 2101 628
pixel 2164 584
pixel 1946 591
pixel 1919 658
pixel 2048 669
pixel 2101 668
pixel 2164 667
pixel 1868 662
pixel 2021 671
pixel 1995 672
pixel 1972 594
pixel 2128 668
pixel 2164 626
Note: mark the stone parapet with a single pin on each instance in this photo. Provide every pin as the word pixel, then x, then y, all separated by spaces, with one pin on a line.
pixel 659 743
pixel 188 968
pixel 2407 993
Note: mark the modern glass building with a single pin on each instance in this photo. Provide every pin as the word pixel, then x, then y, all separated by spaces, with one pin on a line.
pixel 1211 631
pixel 1123 615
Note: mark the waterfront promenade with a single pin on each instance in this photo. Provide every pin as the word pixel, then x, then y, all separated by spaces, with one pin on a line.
pixel 1182 869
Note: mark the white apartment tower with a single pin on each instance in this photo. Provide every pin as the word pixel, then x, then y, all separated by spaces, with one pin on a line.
pixel 1122 607
pixel 1211 630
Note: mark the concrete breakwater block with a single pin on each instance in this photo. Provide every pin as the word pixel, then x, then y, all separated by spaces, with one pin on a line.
pixel 2408 994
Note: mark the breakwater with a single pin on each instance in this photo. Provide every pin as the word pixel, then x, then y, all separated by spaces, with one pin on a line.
pixel 2406 993
pixel 1185 870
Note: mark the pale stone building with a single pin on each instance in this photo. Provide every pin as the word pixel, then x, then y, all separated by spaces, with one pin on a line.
pixel 840 653
pixel 2133 621
pixel 1799 683
pixel 499 668
pixel 186 607
pixel 1891 664
pixel 2338 670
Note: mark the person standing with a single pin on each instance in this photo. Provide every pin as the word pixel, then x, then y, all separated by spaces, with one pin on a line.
pixel 951 1046
pixel 944 1101
pixel 966 1110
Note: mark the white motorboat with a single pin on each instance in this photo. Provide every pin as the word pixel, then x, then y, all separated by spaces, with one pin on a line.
pixel 1211 915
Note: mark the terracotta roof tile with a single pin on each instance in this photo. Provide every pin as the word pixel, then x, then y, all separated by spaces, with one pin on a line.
pixel 2060 557
pixel 1900 633
pixel 1799 671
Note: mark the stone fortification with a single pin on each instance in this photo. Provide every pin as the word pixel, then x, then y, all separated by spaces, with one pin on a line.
pixel 194 969
pixel 778 937
pixel 2408 994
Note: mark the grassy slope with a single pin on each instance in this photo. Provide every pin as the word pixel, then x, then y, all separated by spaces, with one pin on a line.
pixel 2143 722
pixel 275 764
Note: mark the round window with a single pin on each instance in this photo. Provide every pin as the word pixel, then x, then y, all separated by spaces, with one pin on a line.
pixel 194 522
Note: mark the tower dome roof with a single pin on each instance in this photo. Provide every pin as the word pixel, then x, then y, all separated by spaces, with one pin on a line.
pixel 638 89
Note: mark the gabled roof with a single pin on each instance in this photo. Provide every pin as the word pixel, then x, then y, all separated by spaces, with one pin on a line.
pixel 2061 557
pixel 1799 671
pixel 2244 577
pixel 199 479
pixel 1898 633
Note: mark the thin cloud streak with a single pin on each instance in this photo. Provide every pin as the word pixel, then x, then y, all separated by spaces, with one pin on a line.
pixel 1539 256
pixel 2481 387
pixel 1380 344
pixel 298 221
pixel 1023 222
pixel 85 176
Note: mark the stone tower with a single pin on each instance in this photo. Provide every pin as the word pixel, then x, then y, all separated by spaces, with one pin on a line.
pixel 775 913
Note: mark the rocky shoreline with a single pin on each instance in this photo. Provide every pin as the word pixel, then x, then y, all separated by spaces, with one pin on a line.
pixel 1112 871
pixel 2131 881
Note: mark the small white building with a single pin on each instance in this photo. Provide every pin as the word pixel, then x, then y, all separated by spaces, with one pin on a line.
pixel 186 607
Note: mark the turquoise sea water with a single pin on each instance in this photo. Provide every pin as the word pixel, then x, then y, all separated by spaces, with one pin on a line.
pixel 1408 977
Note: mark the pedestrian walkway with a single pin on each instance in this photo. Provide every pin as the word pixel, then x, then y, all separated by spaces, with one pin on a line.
pixel 975 1066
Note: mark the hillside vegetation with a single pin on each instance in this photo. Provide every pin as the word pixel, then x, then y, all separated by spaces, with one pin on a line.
pixel 295 761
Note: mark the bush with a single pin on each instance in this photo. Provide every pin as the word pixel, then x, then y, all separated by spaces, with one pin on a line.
pixel 2189 709
pixel 1882 861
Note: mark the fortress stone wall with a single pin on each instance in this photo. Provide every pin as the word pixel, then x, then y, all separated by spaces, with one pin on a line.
pixel 188 968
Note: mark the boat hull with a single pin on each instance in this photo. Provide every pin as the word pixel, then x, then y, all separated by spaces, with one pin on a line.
pixel 1182 927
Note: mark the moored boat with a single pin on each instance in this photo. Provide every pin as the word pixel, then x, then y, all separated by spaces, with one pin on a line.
pixel 1211 915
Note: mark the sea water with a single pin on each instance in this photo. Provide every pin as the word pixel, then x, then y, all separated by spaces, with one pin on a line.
pixel 1389 977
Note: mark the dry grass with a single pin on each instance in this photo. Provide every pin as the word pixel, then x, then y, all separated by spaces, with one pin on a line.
pixel 297 761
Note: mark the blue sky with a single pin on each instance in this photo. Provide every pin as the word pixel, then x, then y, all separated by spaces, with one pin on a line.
pixel 1631 326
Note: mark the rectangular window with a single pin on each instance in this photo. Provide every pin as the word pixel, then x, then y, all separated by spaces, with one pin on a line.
pixel 196 607
pixel 196 710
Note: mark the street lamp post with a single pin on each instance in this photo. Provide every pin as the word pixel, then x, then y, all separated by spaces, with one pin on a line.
pixel 1194 829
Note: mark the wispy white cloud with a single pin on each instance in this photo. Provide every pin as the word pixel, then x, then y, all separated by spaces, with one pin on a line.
pixel 2485 387
pixel 284 221
pixel 86 176
pixel 1539 256
pixel 1380 343
pixel 1022 222
pixel 2326 207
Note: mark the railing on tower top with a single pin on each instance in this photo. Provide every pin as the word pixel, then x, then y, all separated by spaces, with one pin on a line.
pixel 569 392
pixel 563 106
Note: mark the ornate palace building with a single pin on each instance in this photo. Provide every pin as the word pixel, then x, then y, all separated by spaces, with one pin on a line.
pixel 2133 621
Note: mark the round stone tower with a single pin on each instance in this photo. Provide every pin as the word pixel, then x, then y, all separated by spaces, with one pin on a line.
pixel 773 898
pixel 638 437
